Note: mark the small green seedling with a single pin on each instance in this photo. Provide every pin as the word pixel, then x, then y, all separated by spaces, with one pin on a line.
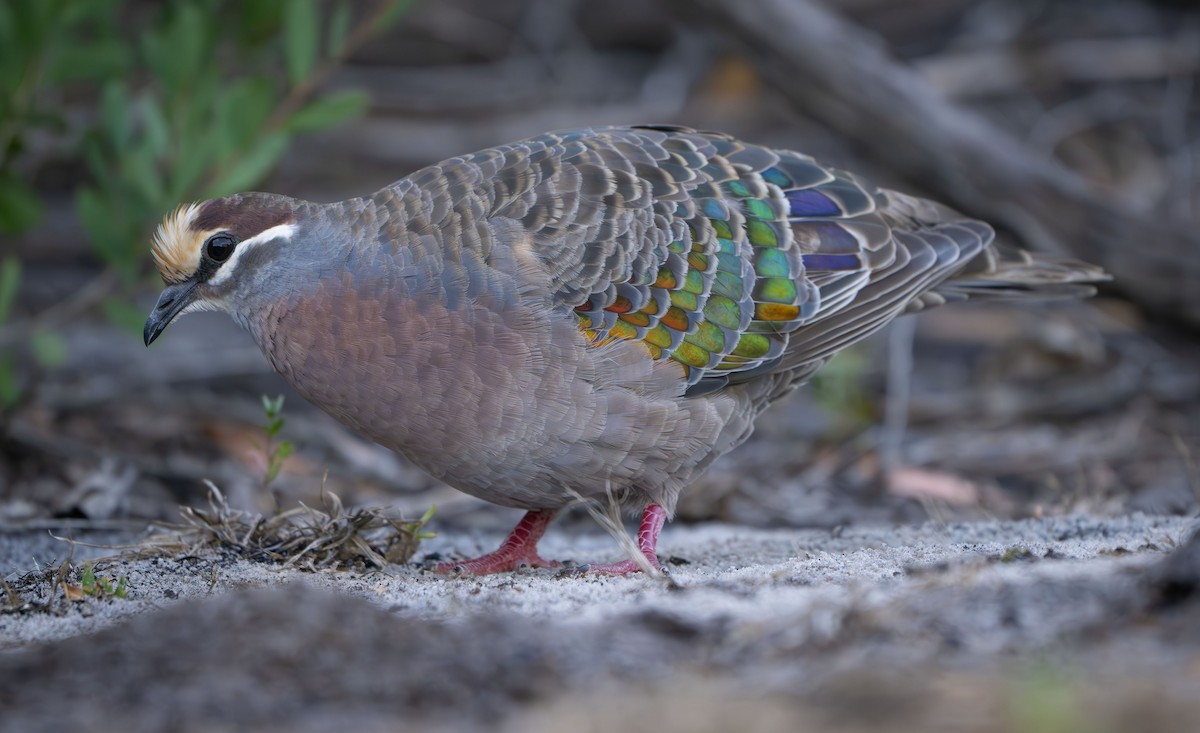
pixel 1017 554
pixel 414 528
pixel 275 453
pixel 101 587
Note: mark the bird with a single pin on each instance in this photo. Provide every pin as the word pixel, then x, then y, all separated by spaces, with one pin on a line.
pixel 583 314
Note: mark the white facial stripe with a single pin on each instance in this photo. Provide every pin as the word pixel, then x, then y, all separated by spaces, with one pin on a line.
pixel 282 231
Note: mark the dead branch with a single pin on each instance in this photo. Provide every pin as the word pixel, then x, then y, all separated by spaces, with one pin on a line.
pixel 841 75
pixel 977 72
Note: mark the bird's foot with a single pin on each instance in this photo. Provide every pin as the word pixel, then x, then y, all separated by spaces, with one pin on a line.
pixel 518 551
pixel 647 542
pixel 499 561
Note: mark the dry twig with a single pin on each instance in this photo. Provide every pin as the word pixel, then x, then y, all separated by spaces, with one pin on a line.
pixel 304 537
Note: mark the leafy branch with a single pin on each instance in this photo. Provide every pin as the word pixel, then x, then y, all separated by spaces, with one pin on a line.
pixel 173 121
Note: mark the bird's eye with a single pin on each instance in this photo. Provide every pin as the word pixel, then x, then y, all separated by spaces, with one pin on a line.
pixel 219 247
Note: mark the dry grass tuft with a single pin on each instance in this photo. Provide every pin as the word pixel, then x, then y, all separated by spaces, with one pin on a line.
pixel 304 538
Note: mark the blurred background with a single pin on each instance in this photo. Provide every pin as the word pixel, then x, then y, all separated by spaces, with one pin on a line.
pixel 1072 126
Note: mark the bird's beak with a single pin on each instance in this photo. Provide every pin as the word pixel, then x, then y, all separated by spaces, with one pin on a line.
pixel 174 298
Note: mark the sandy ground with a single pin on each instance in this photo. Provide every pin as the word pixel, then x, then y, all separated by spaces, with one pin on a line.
pixel 768 622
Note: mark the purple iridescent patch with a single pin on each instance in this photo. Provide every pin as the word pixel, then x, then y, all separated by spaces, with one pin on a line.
pixel 831 262
pixel 809 202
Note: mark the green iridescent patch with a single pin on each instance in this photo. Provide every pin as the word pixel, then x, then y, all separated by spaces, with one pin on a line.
pixel 723 311
pixel 678 247
pixel 691 355
pixel 659 336
pixel 752 346
pixel 708 336
pixel 722 229
pixel 776 290
pixel 759 209
pixel 694 282
pixel 685 300
pixel 761 234
pixel 737 188
pixel 622 330
pixel 771 262
pixel 771 327
pixel 777 177
pixel 726 246
pixel 728 262
pixel 728 284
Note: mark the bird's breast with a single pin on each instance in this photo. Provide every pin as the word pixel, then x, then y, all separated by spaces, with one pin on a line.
pixel 462 381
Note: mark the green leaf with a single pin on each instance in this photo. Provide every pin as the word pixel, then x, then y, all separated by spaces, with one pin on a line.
pixel 300 38
pixel 328 111
pixel 427 515
pixel 157 54
pixel 125 314
pixel 139 168
pixel 10 391
pixel 10 282
pixel 251 168
pixel 49 349
pixel 339 26
pixel 272 407
pixel 20 208
pixel 114 113
pixel 174 50
pixel 391 15
pixel 109 227
pixel 243 112
pixel 258 22
pixel 194 157
pixel 92 213
pixel 154 124
pixel 101 58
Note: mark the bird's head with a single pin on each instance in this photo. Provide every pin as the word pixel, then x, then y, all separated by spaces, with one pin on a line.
pixel 208 252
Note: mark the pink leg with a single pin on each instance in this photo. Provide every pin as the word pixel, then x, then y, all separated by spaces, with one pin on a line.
pixel 519 550
pixel 653 519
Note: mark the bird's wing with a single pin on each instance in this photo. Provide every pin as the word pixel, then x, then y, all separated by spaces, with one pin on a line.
pixel 731 259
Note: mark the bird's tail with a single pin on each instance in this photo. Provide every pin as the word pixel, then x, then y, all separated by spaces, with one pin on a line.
pixel 1009 273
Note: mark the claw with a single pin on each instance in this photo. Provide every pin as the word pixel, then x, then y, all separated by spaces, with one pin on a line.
pixel 653 519
pixel 518 551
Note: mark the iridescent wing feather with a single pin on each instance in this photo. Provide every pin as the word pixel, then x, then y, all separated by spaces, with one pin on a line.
pixel 731 259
